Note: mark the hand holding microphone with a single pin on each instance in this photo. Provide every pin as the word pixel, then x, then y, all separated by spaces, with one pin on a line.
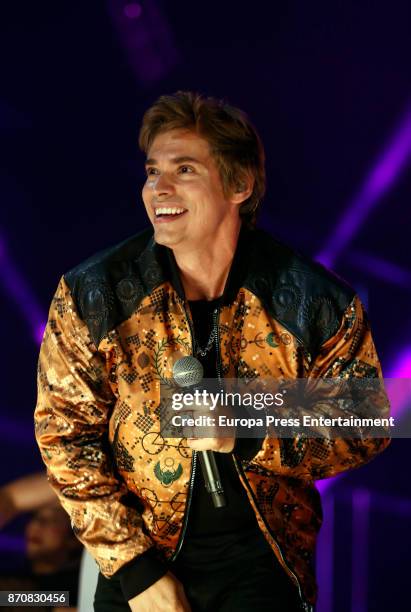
pixel 188 373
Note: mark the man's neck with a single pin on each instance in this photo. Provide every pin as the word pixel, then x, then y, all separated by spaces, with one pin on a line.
pixel 204 268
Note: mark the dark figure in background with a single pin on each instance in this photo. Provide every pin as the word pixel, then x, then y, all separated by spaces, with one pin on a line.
pixel 53 556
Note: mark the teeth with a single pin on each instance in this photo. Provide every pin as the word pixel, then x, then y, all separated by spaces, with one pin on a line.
pixel 169 211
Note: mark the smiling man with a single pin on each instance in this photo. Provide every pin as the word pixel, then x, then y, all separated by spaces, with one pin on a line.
pixel 203 282
pixel 190 211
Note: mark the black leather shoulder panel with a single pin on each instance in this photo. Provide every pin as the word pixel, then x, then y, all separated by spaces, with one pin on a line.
pixel 108 286
pixel 301 294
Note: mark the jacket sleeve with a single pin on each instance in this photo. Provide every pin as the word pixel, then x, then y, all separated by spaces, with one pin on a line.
pixel 71 427
pixel 349 353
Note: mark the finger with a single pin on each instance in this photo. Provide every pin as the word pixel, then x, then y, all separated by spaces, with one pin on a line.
pixel 184 601
pixel 191 442
pixel 202 444
pixel 194 431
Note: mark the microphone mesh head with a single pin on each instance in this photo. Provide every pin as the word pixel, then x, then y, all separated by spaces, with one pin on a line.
pixel 188 371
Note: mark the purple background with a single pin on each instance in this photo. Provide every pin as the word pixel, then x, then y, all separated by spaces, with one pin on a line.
pixel 328 85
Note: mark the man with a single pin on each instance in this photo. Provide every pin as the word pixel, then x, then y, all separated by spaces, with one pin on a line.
pixel 52 551
pixel 33 493
pixel 208 284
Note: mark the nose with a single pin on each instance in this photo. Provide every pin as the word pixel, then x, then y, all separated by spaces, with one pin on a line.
pixel 163 185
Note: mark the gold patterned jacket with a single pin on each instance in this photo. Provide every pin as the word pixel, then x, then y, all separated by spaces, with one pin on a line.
pixel 117 323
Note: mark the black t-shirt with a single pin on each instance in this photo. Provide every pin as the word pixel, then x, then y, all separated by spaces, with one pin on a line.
pixel 215 531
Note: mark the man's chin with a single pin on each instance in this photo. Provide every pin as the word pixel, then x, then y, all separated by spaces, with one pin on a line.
pixel 167 238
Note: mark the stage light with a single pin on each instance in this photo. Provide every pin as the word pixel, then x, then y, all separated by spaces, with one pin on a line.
pixel 384 174
pixel 379 268
pixel 19 291
pixel 132 10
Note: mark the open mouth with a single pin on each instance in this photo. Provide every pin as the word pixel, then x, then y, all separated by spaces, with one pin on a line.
pixel 169 212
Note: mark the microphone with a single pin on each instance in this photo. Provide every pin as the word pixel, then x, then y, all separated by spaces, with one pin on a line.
pixel 188 373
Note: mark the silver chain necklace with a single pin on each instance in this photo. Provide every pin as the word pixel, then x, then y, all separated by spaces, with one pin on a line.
pixel 203 352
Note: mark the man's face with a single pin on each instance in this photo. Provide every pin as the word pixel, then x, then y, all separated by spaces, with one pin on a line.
pixel 183 194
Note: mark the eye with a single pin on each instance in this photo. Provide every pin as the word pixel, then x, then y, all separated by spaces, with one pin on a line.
pixel 186 169
pixel 151 171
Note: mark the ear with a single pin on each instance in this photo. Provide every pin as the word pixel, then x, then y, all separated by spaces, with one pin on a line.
pixel 243 189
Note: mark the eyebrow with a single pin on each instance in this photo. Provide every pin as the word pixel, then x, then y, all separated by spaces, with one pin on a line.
pixel 175 160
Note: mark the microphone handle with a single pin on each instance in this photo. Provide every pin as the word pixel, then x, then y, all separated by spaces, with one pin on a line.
pixel 212 478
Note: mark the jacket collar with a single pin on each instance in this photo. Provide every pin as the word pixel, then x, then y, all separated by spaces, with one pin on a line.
pixel 163 258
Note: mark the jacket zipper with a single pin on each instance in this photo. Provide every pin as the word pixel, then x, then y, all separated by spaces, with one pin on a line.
pixel 306 606
pixel 188 505
pixel 193 466
pixel 240 472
